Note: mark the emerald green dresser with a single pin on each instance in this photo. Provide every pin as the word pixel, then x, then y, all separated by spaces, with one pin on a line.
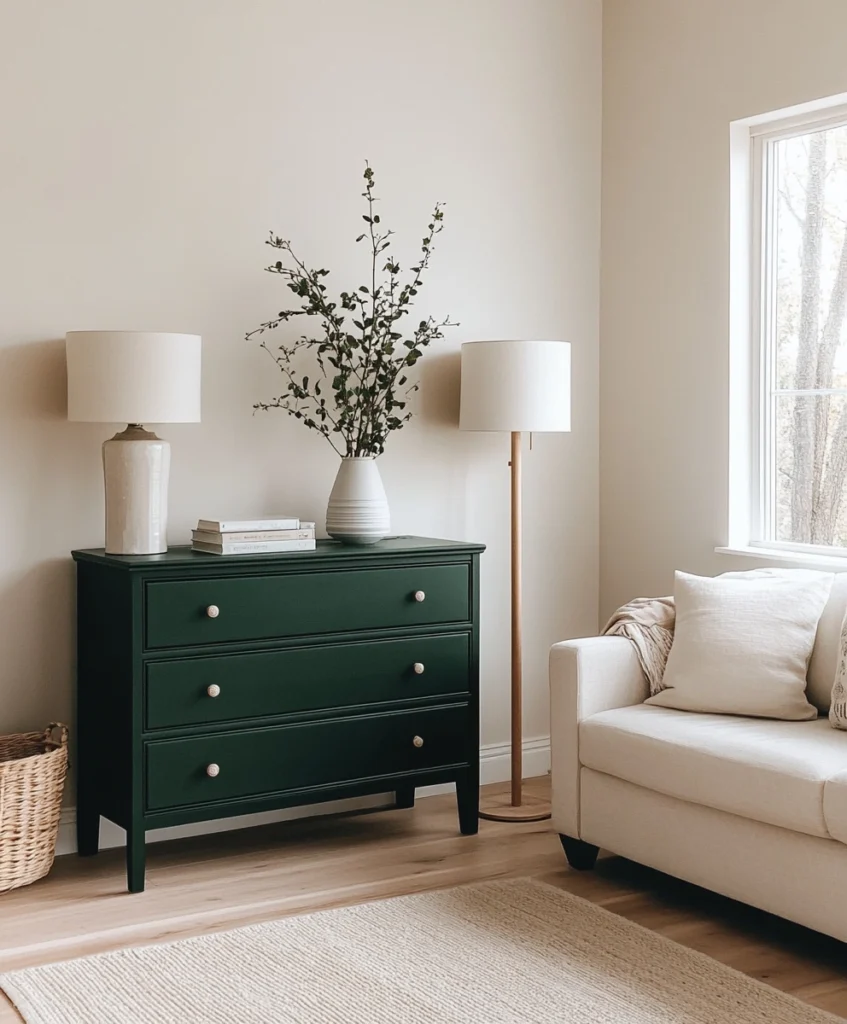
pixel 212 686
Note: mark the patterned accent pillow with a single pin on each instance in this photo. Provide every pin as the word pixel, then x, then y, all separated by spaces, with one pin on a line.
pixel 838 707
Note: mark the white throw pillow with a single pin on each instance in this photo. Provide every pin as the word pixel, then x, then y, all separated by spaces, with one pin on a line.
pixel 742 645
pixel 838 705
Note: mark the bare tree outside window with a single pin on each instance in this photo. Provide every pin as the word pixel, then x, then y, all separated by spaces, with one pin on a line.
pixel 805 338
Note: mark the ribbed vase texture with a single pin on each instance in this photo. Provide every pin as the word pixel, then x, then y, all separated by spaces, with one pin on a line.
pixel 357 512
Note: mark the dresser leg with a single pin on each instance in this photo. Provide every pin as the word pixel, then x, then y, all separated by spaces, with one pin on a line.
pixel 467 797
pixel 135 849
pixel 404 796
pixel 87 831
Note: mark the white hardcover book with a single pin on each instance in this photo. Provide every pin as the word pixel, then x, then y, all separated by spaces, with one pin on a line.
pixel 208 537
pixel 248 525
pixel 255 548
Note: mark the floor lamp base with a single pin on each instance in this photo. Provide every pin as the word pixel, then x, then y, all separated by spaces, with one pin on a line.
pixel 501 809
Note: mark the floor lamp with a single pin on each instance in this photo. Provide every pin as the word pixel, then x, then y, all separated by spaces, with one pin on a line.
pixel 516 386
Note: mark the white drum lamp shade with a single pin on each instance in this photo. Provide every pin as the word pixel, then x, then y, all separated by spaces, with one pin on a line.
pixel 516 386
pixel 134 377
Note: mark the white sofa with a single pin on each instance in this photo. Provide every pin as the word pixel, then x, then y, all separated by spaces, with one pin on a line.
pixel 752 808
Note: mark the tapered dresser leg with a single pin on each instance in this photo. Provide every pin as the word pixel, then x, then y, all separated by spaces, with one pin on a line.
pixel 135 859
pixel 467 797
pixel 404 796
pixel 87 830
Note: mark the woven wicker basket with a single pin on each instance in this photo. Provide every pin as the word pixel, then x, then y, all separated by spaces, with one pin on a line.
pixel 33 766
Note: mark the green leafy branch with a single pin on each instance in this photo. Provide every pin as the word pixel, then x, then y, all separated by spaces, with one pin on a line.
pixel 357 389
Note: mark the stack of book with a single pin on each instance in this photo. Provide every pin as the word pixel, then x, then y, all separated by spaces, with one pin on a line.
pixel 252 536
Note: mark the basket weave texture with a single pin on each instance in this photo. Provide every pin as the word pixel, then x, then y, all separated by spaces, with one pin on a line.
pixel 33 766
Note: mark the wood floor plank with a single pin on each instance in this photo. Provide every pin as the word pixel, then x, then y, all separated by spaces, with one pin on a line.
pixel 211 883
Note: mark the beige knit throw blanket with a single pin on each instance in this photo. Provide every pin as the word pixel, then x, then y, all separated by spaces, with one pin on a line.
pixel 648 622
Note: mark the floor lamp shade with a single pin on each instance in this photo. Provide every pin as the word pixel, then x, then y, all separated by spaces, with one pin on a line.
pixel 134 377
pixel 516 386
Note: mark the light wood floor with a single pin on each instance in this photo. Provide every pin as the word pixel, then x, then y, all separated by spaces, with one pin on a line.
pixel 212 883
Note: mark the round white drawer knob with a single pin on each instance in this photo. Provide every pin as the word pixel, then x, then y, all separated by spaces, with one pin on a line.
pixel 213 611
pixel 214 690
pixel 420 596
pixel 417 741
pixel 213 770
pixel 419 668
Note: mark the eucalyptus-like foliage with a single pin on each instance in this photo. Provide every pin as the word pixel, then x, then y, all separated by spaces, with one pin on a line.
pixel 349 380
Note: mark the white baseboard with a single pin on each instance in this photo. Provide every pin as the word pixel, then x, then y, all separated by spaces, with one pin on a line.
pixel 493 767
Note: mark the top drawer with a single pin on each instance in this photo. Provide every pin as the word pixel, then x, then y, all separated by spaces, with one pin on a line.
pixel 186 613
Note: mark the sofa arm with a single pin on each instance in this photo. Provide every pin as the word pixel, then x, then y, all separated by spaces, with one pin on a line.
pixel 586 676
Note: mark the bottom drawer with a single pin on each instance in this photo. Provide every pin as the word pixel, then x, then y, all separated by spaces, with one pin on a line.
pixel 256 762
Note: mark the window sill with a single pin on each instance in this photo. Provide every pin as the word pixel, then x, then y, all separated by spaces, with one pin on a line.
pixel 800 560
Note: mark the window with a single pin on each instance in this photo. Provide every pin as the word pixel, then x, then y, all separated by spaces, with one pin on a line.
pixel 794 369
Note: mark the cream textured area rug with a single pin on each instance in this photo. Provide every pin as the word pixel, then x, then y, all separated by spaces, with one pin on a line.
pixel 512 952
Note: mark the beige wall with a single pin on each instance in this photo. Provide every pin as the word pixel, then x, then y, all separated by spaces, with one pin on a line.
pixel 676 72
pixel 147 148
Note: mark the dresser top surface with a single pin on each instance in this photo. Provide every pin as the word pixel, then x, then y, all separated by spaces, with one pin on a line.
pixel 326 551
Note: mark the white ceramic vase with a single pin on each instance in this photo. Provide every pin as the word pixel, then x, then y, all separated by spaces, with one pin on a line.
pixel 357 512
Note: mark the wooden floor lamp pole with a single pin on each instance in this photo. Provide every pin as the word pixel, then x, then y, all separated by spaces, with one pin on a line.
pixel 516 807
pixel 517 665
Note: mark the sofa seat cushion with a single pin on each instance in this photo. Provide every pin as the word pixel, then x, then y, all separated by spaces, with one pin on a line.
pixel 835 806
pixel 770 771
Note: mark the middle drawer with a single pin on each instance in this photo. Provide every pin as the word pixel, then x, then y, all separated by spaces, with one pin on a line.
pixel 196 691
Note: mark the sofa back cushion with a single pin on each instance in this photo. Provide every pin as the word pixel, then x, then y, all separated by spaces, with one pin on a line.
pixel 742 645
pixel 822 665
pixel 821 673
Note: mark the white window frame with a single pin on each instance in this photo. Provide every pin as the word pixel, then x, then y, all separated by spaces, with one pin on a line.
pixel 751 401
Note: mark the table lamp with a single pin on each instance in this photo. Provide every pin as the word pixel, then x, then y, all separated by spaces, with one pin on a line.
pixel 134 377
pixel 516 386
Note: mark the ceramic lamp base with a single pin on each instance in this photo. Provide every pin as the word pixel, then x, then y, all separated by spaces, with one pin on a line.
pixel 136 466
